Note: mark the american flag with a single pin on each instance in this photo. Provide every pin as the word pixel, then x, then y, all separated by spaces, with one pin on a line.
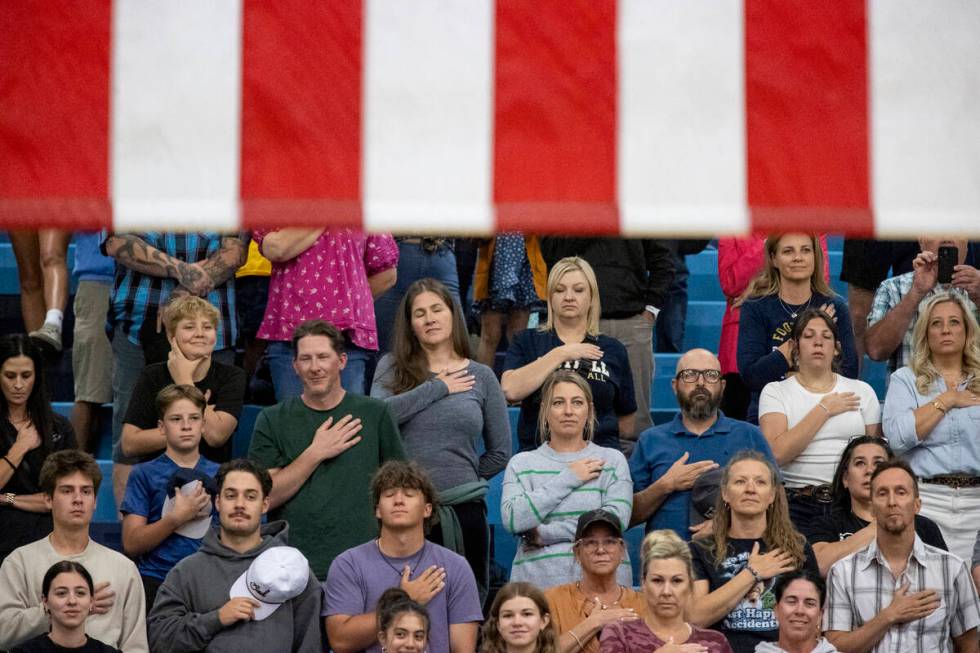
pixel 591 116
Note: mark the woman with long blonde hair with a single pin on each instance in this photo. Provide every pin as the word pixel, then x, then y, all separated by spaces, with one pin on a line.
pixel 752 543
pixel 546 490
pixel 932 416
pixel 570 339
pixel 668 582
pixel 791 281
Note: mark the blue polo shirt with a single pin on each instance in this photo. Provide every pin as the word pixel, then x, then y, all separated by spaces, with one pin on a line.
pixel 660 446
pixel 146 491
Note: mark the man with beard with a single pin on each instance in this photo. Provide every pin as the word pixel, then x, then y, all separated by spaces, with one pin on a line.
pixel 669 458
pixel 898 593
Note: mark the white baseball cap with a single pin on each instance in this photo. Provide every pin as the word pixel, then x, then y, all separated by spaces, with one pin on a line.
pixel 277 575
pixel 197 527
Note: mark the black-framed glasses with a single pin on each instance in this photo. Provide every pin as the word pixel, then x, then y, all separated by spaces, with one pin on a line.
pixel 691 376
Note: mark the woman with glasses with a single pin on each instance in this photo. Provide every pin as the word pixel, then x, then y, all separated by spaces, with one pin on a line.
pixel 809 417
pixel 570 340
pixel 752 543
pixel 667 583
pixel 850 525
pixel 791 281
pixel 581 609
pixel 546 490
pixel 932 416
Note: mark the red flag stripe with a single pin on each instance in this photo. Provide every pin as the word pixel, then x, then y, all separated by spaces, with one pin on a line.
pixel 301 113
pixel 54 113
pixel 806 88
pixel 554 158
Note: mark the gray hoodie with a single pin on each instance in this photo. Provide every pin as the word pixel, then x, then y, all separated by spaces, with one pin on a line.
pixel 184 617
pixel 823 646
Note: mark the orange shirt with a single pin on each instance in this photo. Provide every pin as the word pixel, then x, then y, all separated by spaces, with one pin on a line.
pixel 569 608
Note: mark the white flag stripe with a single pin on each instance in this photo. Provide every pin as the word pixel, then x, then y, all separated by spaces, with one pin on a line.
pixel 681 123
pixel 175 115
pixel 428 115
pixel 925 134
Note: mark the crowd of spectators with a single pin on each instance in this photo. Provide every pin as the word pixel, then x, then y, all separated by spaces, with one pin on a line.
pixel 786 507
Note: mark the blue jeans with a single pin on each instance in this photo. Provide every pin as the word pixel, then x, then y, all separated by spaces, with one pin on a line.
pixel 670 322
pixel 279 355
pixel 414 263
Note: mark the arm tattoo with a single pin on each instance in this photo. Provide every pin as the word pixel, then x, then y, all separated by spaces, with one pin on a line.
pixel 134 253
pixel 226 260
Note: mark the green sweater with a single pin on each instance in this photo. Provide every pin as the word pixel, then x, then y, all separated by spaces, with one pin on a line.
pixel 332 511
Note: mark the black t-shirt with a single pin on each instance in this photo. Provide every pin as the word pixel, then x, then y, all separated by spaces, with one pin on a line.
pixel 840 524
pixel 753 620
pixel 43 644
pixel 227 386
pixel 21 527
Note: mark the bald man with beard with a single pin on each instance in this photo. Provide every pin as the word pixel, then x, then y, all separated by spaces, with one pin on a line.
pixel 670 457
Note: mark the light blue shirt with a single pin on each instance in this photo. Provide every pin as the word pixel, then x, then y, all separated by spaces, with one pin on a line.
pixel 952 447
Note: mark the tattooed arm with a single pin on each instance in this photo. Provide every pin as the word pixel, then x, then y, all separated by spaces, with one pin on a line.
pixel 222 264
pixel 133 252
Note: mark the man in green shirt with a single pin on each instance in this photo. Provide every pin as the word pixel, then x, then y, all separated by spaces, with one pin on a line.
pixel 322 448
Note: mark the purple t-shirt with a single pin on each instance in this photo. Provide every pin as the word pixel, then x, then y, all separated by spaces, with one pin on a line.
pixel 359 576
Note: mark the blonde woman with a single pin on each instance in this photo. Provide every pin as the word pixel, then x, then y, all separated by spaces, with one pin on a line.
pixel 753 542
pixel 570 340
pixel 932 416
pixel 791 281
pixel 668 587
pixel 546 490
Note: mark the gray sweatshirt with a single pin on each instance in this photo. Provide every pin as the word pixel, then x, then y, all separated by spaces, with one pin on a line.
pixel 441 430
pixel 184 617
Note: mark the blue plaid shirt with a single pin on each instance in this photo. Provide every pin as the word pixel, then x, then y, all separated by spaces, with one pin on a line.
pixel 135 295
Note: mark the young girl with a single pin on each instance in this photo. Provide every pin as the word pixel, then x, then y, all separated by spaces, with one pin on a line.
pixel 519 622
pixel 403 624
pixel 67 591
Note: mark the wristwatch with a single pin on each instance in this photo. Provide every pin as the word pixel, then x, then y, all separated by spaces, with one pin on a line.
pixel 9 498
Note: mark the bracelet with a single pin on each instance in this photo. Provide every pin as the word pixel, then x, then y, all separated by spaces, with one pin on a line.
pixel 12 466
pixel 756 578
pixel 581 646
pixel 940 406
pixel 820 403
pixel 9 498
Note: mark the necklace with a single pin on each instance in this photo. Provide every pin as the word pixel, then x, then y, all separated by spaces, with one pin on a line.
pixel 818 390
pixel 595 599
pixel 411 568
pixel 792 314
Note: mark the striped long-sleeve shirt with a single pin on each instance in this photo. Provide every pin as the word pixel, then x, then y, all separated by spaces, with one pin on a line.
pixel 541 492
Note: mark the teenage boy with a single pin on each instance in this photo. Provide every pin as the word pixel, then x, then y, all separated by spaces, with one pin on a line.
pixel 200 606
pixel 192 326
pixel 167 507
pixel 442 581
pixel 70 481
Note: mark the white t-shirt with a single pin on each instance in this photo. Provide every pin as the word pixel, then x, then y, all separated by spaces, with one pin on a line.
pixel 816 464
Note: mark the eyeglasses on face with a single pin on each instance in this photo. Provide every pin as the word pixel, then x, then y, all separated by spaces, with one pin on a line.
pixel 591 544
pixel 691 376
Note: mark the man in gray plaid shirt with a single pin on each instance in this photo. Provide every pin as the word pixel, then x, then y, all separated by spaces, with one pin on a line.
pixel 899 594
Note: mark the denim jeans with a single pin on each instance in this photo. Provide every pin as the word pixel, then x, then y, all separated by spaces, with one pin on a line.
pixel 670 321
pixel 279 355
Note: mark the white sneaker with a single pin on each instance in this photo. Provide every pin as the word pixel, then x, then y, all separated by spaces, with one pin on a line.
pixel 48 335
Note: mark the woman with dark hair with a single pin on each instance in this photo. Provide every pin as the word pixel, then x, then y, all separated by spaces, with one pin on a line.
pixel 800 596
pixel 667 582
pixel 403 624
pixel 791 281
pixel 445 404
pixel 546 490
pixel 850 525
pixel 752 543
pixel 29 431
pixel 66 593
pixel 809 417
pixel 932 415
pixel 519 622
